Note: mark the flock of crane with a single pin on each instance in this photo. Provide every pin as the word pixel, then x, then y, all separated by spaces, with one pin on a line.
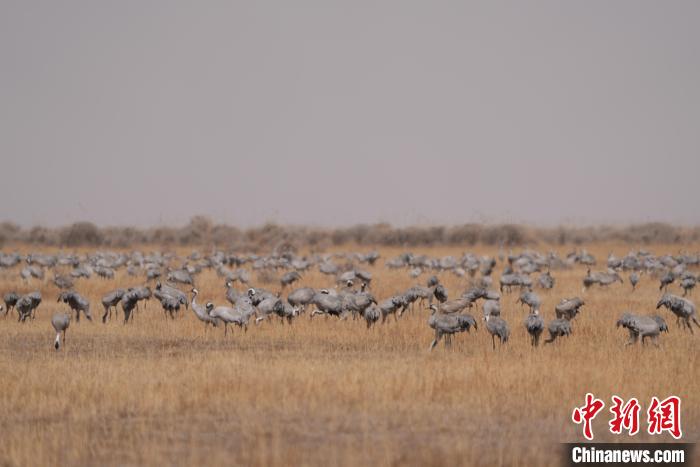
pixel 350 294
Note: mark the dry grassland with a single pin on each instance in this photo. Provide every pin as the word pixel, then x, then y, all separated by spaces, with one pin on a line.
pixel 326 392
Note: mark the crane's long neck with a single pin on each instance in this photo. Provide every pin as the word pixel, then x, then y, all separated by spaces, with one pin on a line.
pixel 57 342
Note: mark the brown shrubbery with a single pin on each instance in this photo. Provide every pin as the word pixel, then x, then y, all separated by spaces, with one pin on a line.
pixel 201 231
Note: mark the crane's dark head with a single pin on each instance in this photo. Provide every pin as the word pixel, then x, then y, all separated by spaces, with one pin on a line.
pixel 663 302
pixel 433 308
pixel 209 306
pixel 251 292
pixel 194 291
pixel 349 283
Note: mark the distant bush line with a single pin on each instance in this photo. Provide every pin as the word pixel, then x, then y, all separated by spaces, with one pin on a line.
pixel 200 231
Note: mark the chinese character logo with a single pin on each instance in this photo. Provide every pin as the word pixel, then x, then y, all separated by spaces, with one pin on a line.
pixel 587 413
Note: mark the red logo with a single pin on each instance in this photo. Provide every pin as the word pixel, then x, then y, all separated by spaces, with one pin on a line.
pixel 663 416
pixel 587 413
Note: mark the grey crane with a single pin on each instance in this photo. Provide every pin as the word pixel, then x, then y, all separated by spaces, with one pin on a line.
pixel 391 305
pixel 357 302
pixel 530 299
pixel 535 326
pixel 510 280
pixel 634 280
pixel 129 301
pixel 287 311
pixel 327 304
pixel 63 282
pixel 569 307
pixel 558 328
pixel 497 327
pixel 239 315
pixel 233 295
pixel 448 324
pixel 546 281
pixel 491 307
pixel 202 313
pixel 667 279
pixel 77 303
pixel 27 304
pixel 301 297
pixel 454 306
pixel 644 326
pixel 371 314
pixel 10 299
pixel 111 300
pixel 420 294
pixel 440 293
pixel 60 323
pixel 163 290
pixel 683 308
pixel 182 276
pixel 475 293
pixel 688 282
pixel 31 271
pixel 144 293
pixel 289 278
pixel 268 307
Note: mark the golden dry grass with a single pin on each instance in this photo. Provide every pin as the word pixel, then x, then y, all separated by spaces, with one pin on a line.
pixel 325 392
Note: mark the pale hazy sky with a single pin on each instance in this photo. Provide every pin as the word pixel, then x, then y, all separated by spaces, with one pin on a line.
pixel 336 113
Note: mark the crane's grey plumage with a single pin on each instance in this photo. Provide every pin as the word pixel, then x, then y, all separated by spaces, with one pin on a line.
pixel 268 307
pixel 546 281
pixel 129 301
pixel 327 303
pixel 60 323
pixel 301 297
pixel 492 308
pixel 568 308
pixel 10 299
pixel 448 324
pixel 440 293
pixel 391 305
pixel 634 280
pixel 289 278
pixel 111 300
pixel 667 279
pixel 497 327
pixel 182 276
pixel 371 314
pixel 644 326
pixel 202 312
pixel 530 299
pixel 688 282
pixel 603 278
pixel 683 308
pixel 27 304
pixel 558 328
pixel 239 315
pixel 77 303
pixel 535 326
pixel 63 282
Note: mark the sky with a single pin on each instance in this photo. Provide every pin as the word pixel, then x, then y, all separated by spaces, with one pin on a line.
pixel 333 113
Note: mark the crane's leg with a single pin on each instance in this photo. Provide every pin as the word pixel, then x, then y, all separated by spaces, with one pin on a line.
pixel 493 341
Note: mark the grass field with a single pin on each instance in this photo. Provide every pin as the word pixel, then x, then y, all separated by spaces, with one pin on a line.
pixel 326 392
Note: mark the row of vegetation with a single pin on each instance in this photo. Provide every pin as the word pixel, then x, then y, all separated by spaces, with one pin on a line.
pixel 201 231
